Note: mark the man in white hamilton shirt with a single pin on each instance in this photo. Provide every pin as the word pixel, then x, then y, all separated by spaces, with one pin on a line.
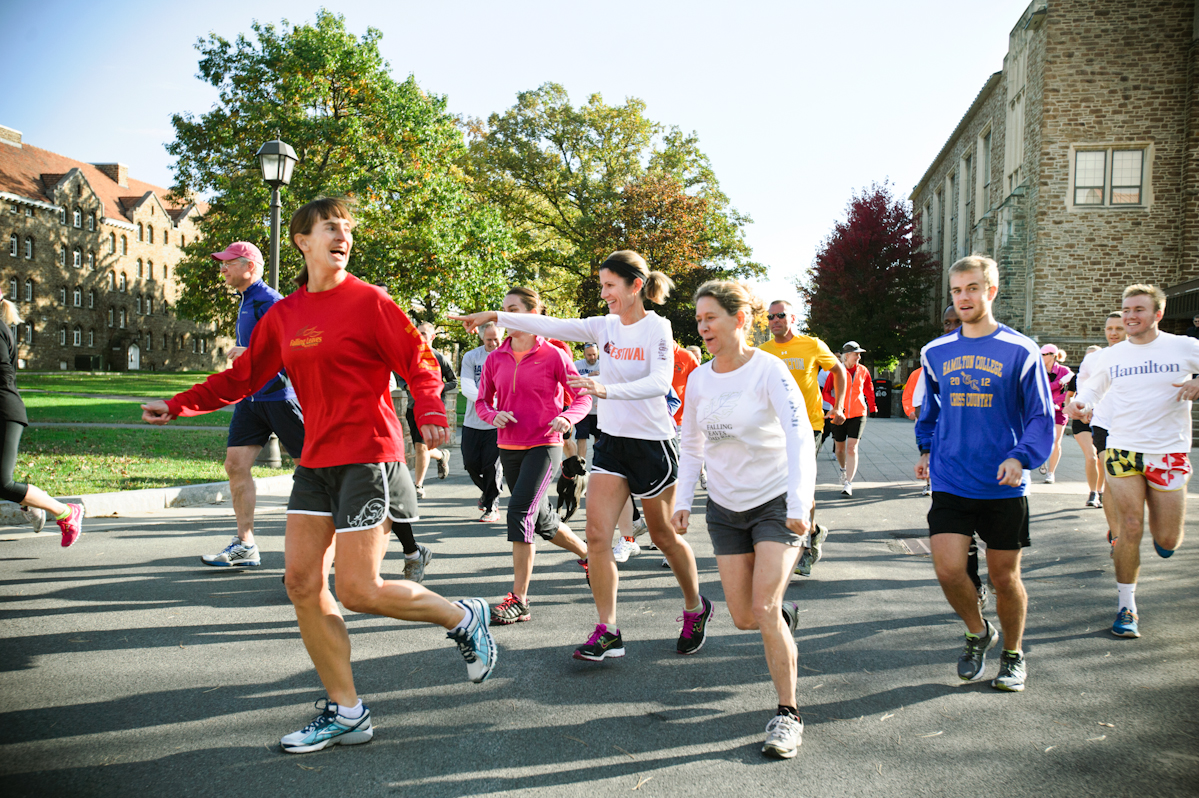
pixel 1146 380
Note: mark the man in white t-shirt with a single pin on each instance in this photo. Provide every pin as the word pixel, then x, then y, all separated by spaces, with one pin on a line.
pixel 1148 389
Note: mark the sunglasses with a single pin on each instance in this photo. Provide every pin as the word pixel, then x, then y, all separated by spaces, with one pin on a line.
pixel 779 316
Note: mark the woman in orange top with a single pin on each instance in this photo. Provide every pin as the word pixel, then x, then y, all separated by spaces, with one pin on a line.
pixel 859 396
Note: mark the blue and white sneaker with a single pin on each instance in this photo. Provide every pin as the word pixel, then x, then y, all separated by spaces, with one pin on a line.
pixel 235 555
pixel 1126 624
pixel 329 728
pixel 474 641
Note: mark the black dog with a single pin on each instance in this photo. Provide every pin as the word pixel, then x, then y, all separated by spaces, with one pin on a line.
pixel 572 485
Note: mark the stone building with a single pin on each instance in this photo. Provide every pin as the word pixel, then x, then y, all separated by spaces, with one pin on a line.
pixel 1077 167
pixel 89 261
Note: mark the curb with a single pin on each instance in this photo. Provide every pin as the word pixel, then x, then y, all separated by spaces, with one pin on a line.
pixel 140 501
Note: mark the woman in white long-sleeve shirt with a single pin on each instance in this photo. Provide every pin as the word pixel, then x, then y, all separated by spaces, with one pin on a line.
pixel 745 416
pixel 635 453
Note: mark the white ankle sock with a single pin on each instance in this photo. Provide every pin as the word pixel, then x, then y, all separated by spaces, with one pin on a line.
pixel 1128 597
pixel 413 556
pixel 353 713
pixel 466 619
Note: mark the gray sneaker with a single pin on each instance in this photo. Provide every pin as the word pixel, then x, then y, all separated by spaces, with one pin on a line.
pixel 784 735
pixel 443 465
pixel 791 615
pixel 973 658
pixel 235 555
pixel 818 538
pixel 804 566
pixel 35 516
pixel 1011 673
pixel 415 569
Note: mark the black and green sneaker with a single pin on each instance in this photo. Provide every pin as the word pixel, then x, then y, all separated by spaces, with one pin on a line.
pixel 974 656
pixel 601 645
pixel 1011 672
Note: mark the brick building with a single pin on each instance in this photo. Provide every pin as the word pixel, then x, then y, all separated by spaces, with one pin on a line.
pixel 1077 167
pixel 89 261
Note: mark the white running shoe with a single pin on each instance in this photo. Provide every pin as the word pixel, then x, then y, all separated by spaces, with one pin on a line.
pixel 784 735
pixel 1049 478
pixel 35 516
pixel 847 488
pixel 665 563
pixel 235 555
pixel 639 527
pixel 625 548
pixel 927 490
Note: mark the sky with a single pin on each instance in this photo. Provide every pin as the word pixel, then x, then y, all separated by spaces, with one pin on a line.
pixel 798 104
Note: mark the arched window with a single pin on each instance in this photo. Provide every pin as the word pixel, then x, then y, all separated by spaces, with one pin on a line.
pixel 62 215
pixel 182 241
pixel 150 233
pixel 62 336
pixel 77 297
pixel 77 219
pixel 123 282
pixel 149 306
pixel 28 248
pixel 29 289
pixel 164 271
pixel 62 256
pixel 77 337
pixel 91 338
pixel 29 333
pixel 141 232
pixel 124 317
pixel 112 281
pixel 12 289
pixel 124 245
pixel 62 295
pixel 150 269
pixel 138 305
pixel 91 260
pixel 112 243
pixel 13 244
pixel 166 347
pixel 139 268
pixel 77 259
pixel 91 222
pixel 110 316
pixel 91 299
pixel 149 342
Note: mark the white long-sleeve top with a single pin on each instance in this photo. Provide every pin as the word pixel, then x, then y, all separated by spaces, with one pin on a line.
pixel 1141 404
pixel 636 361
pixel 1085 370
pixel 751 427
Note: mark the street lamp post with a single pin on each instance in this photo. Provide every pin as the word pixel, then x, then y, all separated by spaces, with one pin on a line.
pixel 276 159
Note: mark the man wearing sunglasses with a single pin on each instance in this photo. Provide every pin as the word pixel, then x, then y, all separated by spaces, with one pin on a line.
pixel 805 356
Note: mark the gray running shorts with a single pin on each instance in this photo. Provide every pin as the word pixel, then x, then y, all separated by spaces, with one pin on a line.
pixel 356 496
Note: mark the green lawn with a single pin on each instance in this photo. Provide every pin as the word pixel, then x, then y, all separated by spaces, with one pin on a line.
pixel 70 462
pixel 138 383
pixel 70 409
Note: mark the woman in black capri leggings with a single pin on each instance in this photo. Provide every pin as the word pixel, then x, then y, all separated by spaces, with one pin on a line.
pixel 34 501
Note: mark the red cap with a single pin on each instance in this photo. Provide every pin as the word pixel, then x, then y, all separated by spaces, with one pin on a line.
pixel 239 249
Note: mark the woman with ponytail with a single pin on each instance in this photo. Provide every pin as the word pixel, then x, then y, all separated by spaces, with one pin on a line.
pixel 34 501
pixel 635 453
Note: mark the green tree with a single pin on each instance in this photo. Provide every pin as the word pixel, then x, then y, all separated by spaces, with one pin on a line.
pixel 576 183
pixel 871 281
pixel 387 145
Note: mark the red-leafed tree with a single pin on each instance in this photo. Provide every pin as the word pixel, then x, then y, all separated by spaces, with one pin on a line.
pixel 871 281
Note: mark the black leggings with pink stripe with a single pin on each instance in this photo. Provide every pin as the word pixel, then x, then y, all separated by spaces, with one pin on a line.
pixel 530 474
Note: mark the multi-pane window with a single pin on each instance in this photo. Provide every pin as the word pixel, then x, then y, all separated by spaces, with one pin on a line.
pixel 77 297
pixel 77 219
pixel 1090 172
pixel 28 332
pixel 138 305
pixel 62 336
pixel 141 232
pixel 149 306
pixel 123 282
pixel 12 289
pixel 62 295
pixel 91 222
pixel 149 342
pixel 91 338
pixel 91 299
pixel 62 256
pixel 139 268
pixel 111 313
pixel 77 258
pixel 124 245
pixel 28 248
pixel 62 215
pixel 29 289
pixel 112 281
pixel 112 243
pixel 77 337
pixel 123 318
pixel 150 269
pixel 14 244
pixel 150 233
pixel 1109 177
pixel 91 261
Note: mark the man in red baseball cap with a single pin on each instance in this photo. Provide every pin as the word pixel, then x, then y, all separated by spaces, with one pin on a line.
pixel 272 409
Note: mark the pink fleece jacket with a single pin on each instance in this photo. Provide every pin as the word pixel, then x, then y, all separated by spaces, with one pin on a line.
pixel 534 390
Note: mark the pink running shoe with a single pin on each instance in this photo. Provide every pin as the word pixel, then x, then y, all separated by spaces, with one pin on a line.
pixel 72 525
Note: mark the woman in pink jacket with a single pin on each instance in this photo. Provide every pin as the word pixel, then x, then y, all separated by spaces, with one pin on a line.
pixel 522 392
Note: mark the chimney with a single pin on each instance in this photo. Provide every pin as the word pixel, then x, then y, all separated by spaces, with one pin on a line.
pixel 117 172
pixel 10 136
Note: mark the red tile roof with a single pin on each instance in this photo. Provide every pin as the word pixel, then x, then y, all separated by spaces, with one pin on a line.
pixel 32 172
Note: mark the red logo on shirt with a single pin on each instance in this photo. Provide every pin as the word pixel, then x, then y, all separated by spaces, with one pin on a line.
pixel 624 352
pixel 306 338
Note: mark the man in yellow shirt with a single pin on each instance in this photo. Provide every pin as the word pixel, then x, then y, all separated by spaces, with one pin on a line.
pixel 805 356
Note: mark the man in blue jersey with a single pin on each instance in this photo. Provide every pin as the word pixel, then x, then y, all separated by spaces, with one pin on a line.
pixel 272 409
pixel 987 418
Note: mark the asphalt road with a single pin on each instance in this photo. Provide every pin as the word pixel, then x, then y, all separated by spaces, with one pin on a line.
pixel 127 667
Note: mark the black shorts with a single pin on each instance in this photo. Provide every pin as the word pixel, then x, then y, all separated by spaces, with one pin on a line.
pixel 1077 426
pixel 356 496
pixel 413 429
pixel 852 428
pixel 586 428
pixel 253 423
pixel 738 532
pixel 1099 438
pixel 1001 523
pixel 650 466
